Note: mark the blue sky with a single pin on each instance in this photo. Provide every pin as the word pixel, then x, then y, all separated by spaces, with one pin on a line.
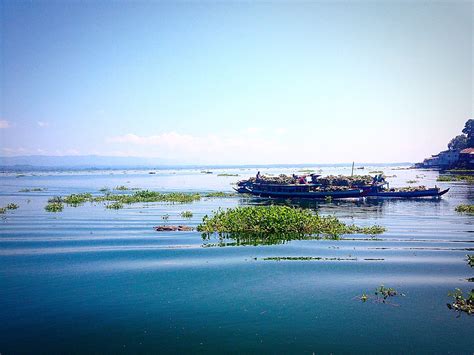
pixel 235 82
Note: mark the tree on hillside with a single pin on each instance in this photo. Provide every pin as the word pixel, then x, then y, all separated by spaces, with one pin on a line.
pixel 458 143
pixel 469 131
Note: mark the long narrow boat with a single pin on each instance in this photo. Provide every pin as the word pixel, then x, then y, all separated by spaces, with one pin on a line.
pixel 432 192
pixel 311 191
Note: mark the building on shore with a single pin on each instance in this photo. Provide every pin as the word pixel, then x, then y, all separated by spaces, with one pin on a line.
pixel 442 160
pixel 466 158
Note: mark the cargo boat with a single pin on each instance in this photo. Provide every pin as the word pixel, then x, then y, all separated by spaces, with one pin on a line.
pixel 310 191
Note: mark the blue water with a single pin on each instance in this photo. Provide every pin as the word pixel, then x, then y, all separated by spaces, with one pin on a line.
pixel 89 279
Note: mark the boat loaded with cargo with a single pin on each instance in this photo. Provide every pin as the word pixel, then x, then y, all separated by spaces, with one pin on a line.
pixel 334 187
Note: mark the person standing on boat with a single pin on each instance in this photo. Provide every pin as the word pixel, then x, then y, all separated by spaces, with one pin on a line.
pixel 257 178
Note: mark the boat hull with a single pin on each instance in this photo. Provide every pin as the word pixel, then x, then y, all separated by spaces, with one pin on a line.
pixel 308 195
pixel 408 194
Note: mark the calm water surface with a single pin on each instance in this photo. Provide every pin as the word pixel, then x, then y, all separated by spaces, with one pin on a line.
pixel 90 279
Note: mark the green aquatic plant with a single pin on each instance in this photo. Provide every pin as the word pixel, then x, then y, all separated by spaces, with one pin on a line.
pixel 226 174
pixel 121 188
pixel 186 214
pixel 470 260
pixel 469 209
pixel 448 178
pixel 54 207
pixel 273 221
pixel 220 194
pixel 461 303
pixel 206 172
pixel 150 196
pixel 12 206
pixel 3 210
pixel 114 206
pixel 385 292
pixel 382 294
pixel 76 199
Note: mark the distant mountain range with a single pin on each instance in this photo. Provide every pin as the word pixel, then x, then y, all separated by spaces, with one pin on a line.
pixel 80 161
pixel 97 162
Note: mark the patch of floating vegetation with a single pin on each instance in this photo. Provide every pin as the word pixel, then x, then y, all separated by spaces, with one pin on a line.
pixel 173 228
pixel 186 214
pixel 412 181
pixel 150 196
pixel 104 189
pixel 255 225
pixel 465 209
pixel 12 206
pixel 382 294
pixel 54 207
pixel 76 199
pixel 206 172
pixel 461 303
pixel 220 194
pixel 446 178
pixel 376 172
pixel 121 188
pixel 226 174
pixel 470 260
pixel 114 206
pixel 35 189
pixel 305 258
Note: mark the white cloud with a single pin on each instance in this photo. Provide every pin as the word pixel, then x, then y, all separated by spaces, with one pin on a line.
pixel 238 148
pixel 43 124
pixel 4 124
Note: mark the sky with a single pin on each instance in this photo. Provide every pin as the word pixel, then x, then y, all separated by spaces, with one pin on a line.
pixel 235 82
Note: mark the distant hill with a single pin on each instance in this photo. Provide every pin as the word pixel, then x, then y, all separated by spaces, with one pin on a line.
pixel 97 162
pixel 80 161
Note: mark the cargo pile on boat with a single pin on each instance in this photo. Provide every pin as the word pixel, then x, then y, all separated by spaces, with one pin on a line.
pixel 341 180
pixel 408 189
pixel 281 179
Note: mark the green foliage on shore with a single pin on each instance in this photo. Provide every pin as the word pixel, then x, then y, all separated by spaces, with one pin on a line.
pixel 280 222
pixel 54 207
pixel 469 209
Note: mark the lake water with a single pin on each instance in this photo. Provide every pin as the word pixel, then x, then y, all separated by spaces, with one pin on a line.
pixel 90 279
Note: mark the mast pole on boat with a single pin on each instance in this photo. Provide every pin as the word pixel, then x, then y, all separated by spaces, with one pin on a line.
pixel 352 172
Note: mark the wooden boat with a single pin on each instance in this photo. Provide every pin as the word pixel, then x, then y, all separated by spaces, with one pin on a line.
pixel 311 191
pixel 381 192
